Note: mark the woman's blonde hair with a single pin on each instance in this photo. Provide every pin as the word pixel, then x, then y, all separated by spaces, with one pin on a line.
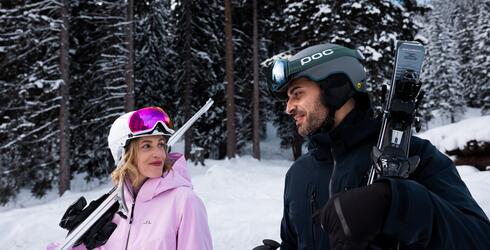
pixel 128 167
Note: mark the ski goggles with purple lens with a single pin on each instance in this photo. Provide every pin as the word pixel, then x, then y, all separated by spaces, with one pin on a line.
pixel 146 120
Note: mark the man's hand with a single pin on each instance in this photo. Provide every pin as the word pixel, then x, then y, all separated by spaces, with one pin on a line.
pixel 354 218
pixel 100 232
pixel 268 245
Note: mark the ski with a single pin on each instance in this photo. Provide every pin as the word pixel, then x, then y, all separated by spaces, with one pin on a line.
pixel 116 194
pixel 390 155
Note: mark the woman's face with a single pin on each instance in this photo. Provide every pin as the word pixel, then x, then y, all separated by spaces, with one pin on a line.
pixel 151 155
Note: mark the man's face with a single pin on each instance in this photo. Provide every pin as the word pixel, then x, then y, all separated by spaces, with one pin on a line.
pixel 305 106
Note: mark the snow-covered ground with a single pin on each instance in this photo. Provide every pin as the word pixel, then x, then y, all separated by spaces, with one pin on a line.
pixel 455 136
pixel 243 198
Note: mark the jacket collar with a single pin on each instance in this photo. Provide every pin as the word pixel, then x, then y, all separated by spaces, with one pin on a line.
pixel 355 128
pixel 178 176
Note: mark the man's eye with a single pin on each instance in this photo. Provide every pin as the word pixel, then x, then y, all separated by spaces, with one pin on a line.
pixel 162 145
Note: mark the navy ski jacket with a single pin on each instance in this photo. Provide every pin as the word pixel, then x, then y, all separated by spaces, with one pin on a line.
pixel 432 209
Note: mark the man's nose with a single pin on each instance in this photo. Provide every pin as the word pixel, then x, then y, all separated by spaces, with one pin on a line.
pixel 290 107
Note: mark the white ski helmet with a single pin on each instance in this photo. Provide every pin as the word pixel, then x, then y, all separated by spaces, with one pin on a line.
pixel 120 134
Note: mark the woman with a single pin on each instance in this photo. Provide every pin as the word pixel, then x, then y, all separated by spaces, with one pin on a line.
pixel 163 211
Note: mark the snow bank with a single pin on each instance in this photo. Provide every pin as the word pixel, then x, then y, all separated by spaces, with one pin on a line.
pixel 456 135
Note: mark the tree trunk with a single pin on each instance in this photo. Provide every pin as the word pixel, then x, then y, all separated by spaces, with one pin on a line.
pixel 255 99
pixel 187 33
pixel 230 96
pixel 64 177
pixel 130 104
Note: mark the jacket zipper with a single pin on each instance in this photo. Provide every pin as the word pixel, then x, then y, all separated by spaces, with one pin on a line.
pixel 313 210
pixel 333 174
pixel 130 222
pixel 131 216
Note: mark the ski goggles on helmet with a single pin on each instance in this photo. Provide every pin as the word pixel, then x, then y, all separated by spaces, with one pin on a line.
pixel 146 120
pixel 284 70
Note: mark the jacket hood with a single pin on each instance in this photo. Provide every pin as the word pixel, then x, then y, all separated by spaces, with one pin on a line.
pixel 178 176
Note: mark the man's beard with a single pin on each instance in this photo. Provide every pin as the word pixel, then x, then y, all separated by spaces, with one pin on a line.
pixel 314 120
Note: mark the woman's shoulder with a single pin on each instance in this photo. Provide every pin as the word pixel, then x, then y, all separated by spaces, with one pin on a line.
pixel 186 193
pixel 180 194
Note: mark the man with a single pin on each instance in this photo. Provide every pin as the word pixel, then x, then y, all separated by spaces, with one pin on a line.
pixel 327 204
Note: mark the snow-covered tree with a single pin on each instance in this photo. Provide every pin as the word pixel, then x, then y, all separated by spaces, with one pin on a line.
pixel 98 71
pixel 154 57
pixel 29 83
pixel 203 66
pixel 482 56
pixel 465 19
pixel 458 40
pixel 243 69
pixel 442 83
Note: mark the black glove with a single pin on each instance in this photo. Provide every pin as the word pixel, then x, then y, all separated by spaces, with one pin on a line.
pixel 100 232
pixel 268 245
pixel 354 218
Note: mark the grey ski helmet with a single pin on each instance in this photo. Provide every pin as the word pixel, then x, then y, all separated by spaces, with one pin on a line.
pixel 338 70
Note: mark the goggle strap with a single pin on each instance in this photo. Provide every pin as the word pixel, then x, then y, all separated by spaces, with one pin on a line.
pixel 167 129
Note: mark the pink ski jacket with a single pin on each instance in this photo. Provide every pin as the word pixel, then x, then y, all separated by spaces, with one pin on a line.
pixel 166 215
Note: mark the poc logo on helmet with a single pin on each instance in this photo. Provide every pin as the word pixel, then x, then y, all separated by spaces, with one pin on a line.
pixel 316 56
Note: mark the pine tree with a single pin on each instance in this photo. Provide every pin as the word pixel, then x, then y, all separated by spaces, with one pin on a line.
pixel 98 71
pixel 442 83
pixel 30 81
pixel 465 20
pixel 482 56
pixel 206 72
pixel 154 57
pixel 242 70
pixel 255 93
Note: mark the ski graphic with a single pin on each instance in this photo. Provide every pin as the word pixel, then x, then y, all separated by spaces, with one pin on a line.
pixel 390 156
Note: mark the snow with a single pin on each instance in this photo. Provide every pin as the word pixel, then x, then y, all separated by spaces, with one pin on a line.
pixel 419 37
pixel 456 135
pixel 375 55
pixel 243 198
pixel 478 183
pixel 356 6
pixel 373 10
pixel 323 9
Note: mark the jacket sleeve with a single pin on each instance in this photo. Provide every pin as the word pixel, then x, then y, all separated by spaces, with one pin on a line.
pixel 434 209
pixel 288 236
pixel 193 232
